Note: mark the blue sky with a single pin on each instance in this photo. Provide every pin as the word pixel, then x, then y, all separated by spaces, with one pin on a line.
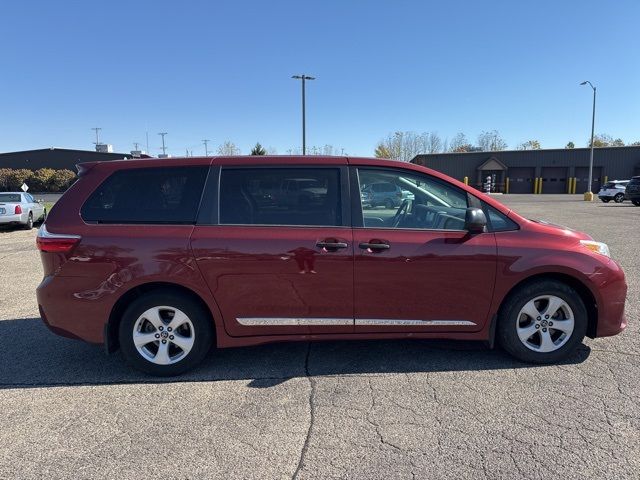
pixel 221 70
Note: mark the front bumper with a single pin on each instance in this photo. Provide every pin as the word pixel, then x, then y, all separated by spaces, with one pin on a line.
pixel 613 295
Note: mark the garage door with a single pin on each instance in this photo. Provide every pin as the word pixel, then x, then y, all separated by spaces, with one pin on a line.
pixel 582 179
pixel 554 180
pixel 521 179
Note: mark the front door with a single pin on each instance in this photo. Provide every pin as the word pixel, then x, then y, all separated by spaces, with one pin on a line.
pixel 416 268
pixel 279 259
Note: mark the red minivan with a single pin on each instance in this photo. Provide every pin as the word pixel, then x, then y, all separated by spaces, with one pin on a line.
pixel 165 258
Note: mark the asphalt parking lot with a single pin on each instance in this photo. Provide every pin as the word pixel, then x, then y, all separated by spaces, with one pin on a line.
pixel 411 409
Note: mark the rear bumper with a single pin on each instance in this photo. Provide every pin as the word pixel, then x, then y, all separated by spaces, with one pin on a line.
pixel 20 218
pixel 67 311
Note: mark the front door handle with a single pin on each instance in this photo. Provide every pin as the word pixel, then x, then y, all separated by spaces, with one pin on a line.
pixel 331 245
pixel 375 246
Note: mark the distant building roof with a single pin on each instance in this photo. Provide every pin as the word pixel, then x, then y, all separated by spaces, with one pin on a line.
pixel 56 158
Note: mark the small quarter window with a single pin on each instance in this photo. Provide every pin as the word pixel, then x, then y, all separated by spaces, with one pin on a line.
pixel 165 195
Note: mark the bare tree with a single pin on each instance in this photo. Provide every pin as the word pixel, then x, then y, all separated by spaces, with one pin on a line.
pixel 404 146
pixel 433 142
pixel 459 144
pixel 491 141
pixel 529 145
pixel 228 149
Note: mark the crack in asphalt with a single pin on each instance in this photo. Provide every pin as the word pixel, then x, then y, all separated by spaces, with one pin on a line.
pixel 312 414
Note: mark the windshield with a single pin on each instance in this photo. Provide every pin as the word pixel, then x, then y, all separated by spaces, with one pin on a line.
pixel 10 197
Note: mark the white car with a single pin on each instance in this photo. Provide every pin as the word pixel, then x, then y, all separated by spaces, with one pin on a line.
pixel 613 191
pixel 18 208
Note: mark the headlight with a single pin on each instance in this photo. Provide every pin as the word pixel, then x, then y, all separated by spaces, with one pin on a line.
pixel 597 247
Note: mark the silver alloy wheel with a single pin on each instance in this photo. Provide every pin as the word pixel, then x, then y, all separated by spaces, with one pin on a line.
pixel 163 335
pixel 545 323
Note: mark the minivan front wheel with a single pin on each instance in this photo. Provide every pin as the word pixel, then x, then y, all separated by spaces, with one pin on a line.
pixel 165 334
pixel 542 322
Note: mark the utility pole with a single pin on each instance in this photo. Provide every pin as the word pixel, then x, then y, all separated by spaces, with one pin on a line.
pixel 97 130
pixel 164 148
pixel 135 146
pixel 304 78
pixel 206 148
pixel 588 195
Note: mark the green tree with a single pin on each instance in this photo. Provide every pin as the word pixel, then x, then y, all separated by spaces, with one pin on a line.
pixel 42 179
pixel 61 180
pixel 617 143
pixel 4 178
pixel 601 140
pixel 570 145
pixel 382 151
pixel 17 177
pixel 258 150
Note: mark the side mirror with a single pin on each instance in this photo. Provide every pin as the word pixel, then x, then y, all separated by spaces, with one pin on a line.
pixel 475 220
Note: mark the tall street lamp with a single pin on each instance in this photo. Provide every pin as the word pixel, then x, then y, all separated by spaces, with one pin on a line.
pixel 588 195
pixel 304 78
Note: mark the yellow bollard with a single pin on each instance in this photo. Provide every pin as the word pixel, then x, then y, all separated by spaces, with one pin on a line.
pixel 540 186
pixel 535 185
pixel 466 180
pixel 575 181
pixel 606 179
pixel 506 185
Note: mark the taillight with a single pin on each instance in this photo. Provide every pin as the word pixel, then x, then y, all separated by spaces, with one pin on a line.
pixel 55 242
pixel 18 209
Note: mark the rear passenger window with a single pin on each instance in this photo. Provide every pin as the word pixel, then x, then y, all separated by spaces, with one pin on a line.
pixel 280 196
pixel 168 195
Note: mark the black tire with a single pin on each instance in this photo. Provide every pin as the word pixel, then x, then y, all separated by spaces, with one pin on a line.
pixel 636 202
pixel 508 320
pixel 605 200
pixel 202 326
pixel 388 204
pixel 29 224
pixel 619 198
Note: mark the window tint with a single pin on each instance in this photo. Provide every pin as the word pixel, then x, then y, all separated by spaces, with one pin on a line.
pixel 499 222
pixel 149 195
pixel 411 201
pixel 280 196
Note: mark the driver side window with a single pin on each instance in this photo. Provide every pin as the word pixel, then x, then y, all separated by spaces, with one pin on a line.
pixel 406 200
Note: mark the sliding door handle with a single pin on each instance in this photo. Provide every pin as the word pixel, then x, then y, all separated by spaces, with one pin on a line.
pixel 375 246
pixel 331 245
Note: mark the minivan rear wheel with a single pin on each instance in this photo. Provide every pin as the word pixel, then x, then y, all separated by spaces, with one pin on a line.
pixel 542 322
pixel 164 333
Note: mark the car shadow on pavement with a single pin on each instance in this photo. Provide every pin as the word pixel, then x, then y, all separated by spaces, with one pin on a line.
pixel 33 357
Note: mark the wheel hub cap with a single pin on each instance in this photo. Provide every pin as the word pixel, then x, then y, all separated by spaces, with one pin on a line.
pixel 163 335
pixel 545 323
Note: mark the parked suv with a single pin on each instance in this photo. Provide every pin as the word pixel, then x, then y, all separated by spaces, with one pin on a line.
pixel 632 192
pixel 165 258
pixel 613 191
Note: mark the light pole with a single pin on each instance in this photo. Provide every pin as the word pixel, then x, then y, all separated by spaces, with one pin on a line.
pixel 206 147
pixel 588 195
pixel 304 78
